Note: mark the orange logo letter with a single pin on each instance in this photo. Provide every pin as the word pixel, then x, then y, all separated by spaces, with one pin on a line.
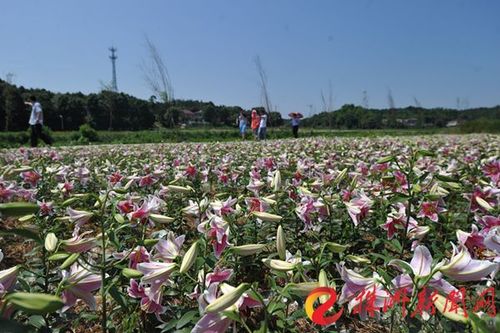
pixel 318 315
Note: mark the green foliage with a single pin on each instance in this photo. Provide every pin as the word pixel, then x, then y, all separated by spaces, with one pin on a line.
pixel 88 133
pixel 481 125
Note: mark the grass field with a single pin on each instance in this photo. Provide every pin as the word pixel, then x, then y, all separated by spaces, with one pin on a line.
pixel 17 139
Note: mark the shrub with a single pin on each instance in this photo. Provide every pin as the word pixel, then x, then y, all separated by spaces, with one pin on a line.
pixel 88 133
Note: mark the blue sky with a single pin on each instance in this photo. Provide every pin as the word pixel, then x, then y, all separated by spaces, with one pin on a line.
pixel 436 51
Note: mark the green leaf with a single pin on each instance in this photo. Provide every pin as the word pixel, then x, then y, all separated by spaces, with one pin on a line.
pixel 335 247
pixel 384 275
pixel 446 178
pixel 13 327
pixel 25 233
pixel 118 296
pixel 36 321
pixel 186 318
pixel 402 265
pixel 423 152
pixel 35 303
pixel 397 245
pixel 15 209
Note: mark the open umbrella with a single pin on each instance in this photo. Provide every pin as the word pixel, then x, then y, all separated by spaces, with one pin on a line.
pixel 296 115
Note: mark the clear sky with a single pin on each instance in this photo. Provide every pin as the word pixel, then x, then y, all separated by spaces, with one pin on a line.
pixel 436 51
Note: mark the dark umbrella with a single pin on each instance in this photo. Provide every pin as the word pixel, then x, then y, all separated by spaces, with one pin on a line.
pixel 296 115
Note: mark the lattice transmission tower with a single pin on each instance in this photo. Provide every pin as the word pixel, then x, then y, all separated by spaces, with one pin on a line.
pixel 113 58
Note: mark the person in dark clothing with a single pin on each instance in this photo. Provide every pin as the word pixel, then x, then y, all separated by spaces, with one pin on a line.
pixel 295 125
pixel 36 123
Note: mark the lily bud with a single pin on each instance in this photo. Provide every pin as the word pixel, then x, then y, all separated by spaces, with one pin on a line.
pixel 189 258
pixel 50 242
pixel 457 314
pixel 340 176
pixel 180 189
pixel 228 299
pixel 281 243
pixel 248 250
pixel 323 282
pixel 267 217
pixel 276 182
pixel 302 289
pixel 357 259
pixel 161 218
pixel 279 265
pixel 35 303
pixel 131 273
pixel 70 260
pixel 483 203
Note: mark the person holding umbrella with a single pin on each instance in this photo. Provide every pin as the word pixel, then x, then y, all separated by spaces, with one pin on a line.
pixel 255 123
pixel 295 123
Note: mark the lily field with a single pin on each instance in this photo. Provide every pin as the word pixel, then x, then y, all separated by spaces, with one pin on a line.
pixel 403 232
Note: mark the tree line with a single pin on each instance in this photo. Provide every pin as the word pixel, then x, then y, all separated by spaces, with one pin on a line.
pixel 352 116
pixel 108 110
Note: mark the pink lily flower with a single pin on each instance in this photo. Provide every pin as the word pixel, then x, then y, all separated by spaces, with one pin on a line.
pixel 217 231
pixel 491 169
pixel 396 220
pixel 79 217
pixel 6 193
pixel 135 290
pixel 147 180
pixel 80 283
pixel 356 286
pixel 462 267
pixel 78 243
pixel 8 278
pixel 155 273
pixel 115 178
pixel 218 275
pixel 256 204
pixel 210 322
pixel 46 208
pixel 430 210
pixel 170 248
pixel 488 194
pixel 421 265
pixel 223 208
pixel 492 240
pixel 139 255
pixel 471 240
pixel 125 206
pixel 488 222
pixel 31 177
pixel 358 208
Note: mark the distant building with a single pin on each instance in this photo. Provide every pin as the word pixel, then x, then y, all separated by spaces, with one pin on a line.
pixel 452 123
pixel 410 122
pixel 192 117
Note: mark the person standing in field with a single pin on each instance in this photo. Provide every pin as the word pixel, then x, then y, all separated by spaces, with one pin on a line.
pixel 36 122
pixel 242 122
pixel 255 123
pixel 263 125
pixel 295 125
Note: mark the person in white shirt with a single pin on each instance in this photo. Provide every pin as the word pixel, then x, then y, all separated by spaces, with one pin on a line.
pixel 36 123
pixel 263 125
